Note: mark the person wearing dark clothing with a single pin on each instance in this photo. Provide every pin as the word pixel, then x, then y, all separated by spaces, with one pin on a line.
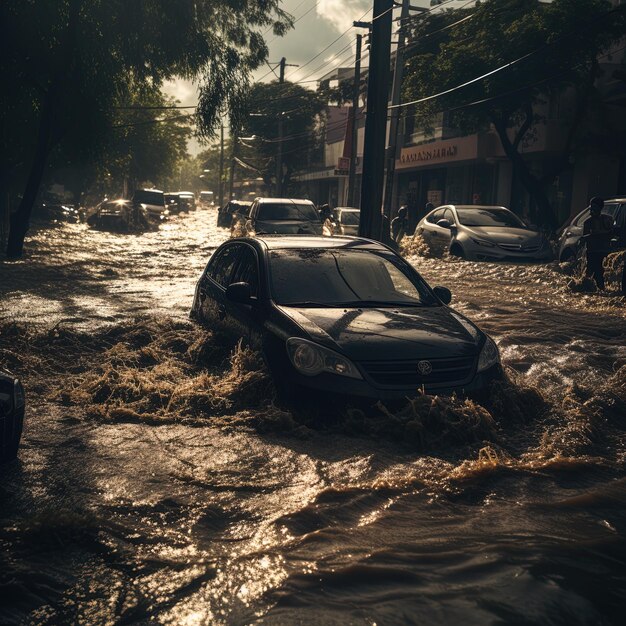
pixel 597 231
pixel 399 224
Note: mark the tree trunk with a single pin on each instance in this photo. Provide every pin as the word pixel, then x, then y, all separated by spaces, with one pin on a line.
pixel 20 220
pixel 532 184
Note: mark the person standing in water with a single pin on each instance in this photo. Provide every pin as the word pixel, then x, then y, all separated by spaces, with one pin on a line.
pixel 399 224
pixel 597 231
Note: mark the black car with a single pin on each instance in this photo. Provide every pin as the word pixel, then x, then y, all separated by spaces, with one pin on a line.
pixel 284 216
pixel 233 208
pixel 121 216
pixel 343 314
pixel 11 416
pixel 569 246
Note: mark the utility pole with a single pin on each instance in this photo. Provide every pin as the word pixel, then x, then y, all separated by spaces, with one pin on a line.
pixel 392 147
pixel 353 121
pixel 279 154
pixel 231 181
pixel 376 121
pixel 220 186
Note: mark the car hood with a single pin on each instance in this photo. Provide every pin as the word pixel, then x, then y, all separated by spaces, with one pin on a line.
pixel 505 235
pixel 287 227
pixel 389 334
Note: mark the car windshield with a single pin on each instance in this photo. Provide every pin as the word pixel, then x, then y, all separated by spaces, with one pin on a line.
pixel 143 196
pixel 350 218
pixel 499 218
pixel 288 211
pixel 327 278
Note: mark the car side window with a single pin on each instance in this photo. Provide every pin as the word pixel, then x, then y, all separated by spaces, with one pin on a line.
pixel 449 215
pixel 222 267
pixel 611 209
pixel 436 216
pixel 247 270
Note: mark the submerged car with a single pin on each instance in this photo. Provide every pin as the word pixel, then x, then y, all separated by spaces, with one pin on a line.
pixel 231 210
pixel 343 315
pixel 483 233
pixel 153 201
pixel 570 243
pixel 12 406
pixel 283 216
pixel 347 219
pixel 119 216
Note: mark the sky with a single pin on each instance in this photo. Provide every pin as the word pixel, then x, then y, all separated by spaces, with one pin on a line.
pixel 317 26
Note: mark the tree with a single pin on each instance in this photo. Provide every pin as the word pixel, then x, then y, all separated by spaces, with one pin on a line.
pixel 66 64
pixel 301 111
pixel 546 51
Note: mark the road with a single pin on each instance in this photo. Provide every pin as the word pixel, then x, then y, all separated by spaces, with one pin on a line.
pixel 158 482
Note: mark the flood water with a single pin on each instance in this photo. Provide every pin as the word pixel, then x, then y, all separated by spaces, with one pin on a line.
pixel 156 485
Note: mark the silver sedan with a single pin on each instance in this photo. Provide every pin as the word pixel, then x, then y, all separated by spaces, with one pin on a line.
pixel 483 233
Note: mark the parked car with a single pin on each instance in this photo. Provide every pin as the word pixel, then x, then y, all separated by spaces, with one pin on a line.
pixel 569 245
pixel 284 216
pixel 345 315
pixel 12 404
pixel 225 213
pixel 483 233
pixel 153 201
pixel 119 216
pixel 347 219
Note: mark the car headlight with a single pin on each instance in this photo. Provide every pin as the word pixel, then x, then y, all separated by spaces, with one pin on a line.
pixel 312 359
pixel 489 355
pixel 483 242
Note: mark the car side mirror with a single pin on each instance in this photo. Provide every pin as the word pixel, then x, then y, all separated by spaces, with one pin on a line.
pixel 444 224
pixel 444 294
pixel 239 292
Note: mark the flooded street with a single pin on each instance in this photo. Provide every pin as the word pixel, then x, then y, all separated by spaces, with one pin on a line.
pixel 158 482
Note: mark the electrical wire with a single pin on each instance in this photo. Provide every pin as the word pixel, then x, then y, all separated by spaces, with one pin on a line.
pixel 506 65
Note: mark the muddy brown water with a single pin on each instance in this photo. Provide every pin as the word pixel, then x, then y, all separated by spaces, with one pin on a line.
pixel 106 521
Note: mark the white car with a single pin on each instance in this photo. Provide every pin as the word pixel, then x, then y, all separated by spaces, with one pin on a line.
pixel 483 233
pixel 347 218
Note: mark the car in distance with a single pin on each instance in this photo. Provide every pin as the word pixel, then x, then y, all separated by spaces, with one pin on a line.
pixel 119 216
pixel 153 201
pixel 347 219
pixel 12 405
pixel 207 199
pixel 343 315
pixel 569 244
pixel 283 216
pixel 482 233
pixel 233 208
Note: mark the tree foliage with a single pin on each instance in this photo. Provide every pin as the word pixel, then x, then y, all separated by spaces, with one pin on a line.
pixel 546 51
pixel 302 115
pixel 66 64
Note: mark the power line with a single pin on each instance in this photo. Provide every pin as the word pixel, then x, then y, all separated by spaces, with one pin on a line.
pixel 506 65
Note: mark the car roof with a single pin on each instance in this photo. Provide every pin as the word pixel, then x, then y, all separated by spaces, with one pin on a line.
pixel 623 199
pixel 348 208
pixel 284 242
pixel 283 200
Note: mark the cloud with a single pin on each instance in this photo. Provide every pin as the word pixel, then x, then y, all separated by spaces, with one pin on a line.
pixel 341 13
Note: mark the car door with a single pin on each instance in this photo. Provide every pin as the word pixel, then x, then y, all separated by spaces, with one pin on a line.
pixel 439 238
pixel 214 282
pixel 247 318
pixel 428 226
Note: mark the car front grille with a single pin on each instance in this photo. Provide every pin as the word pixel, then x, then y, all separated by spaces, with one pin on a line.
pixel 405 373
pixel 516 247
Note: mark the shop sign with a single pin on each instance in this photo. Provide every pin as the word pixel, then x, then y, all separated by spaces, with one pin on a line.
pixel 461 149
pixel 433 154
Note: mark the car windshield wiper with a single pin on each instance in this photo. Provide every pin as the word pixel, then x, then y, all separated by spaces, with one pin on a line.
pixel 311 303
